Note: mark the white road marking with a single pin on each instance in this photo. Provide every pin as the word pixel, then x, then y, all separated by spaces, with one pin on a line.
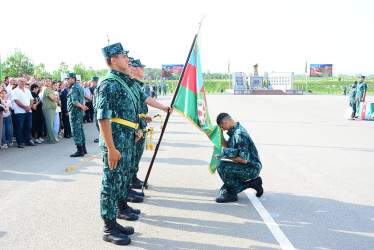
pixel 274 228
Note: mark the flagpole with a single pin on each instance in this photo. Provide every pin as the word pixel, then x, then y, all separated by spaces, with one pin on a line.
pixel 168 115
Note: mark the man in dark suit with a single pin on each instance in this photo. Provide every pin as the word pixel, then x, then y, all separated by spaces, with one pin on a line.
pixel 64 110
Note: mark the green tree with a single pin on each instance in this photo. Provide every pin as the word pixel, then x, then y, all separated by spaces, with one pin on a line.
pixel 79 69
pixel 63 69
pixel 17 64
pixel 40 70
pixel 90 73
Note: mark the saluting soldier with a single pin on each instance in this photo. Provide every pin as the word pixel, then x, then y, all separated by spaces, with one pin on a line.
pixel 361 91
pixel 243 170
pixel 76 109
pixel 118 120
pixel 352 98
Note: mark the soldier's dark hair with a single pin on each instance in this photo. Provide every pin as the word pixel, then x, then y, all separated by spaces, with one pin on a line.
pixel 223 117
pixel 108 60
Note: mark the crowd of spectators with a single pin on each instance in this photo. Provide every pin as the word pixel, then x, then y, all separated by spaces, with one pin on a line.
pixel 34 110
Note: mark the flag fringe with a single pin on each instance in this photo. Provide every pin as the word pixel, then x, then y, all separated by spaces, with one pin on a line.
pixel 183 114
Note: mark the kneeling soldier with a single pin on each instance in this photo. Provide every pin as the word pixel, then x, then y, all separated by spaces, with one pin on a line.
pixel 243 170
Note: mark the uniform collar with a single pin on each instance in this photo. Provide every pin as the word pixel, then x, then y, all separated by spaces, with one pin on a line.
pixel 232 130
pixel 122 75
pixel 140 82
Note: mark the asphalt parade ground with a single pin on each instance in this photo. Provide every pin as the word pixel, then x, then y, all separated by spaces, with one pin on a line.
pixel 318 171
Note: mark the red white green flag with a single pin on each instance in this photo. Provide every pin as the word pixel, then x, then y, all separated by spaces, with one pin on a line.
pixel 191 103
pixel 306 67
pixel 365 111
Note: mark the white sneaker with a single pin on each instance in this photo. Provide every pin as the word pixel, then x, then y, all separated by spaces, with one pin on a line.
pixel 38 141
pixel 41 139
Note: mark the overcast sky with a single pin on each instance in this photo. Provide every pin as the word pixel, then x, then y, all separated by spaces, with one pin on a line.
pixel 279 35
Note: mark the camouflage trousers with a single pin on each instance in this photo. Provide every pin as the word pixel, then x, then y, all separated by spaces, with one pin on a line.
pixel 96 121
pixel 352 104
pixel 139 149
pixel 134 166
pixel 114 184
pixel 233 174
pixel 76 124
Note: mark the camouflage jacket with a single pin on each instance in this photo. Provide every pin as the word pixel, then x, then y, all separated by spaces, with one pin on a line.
pixel 361 88
pixel 241 144
pixel 143 106
pixel 75 96
pixel 112 100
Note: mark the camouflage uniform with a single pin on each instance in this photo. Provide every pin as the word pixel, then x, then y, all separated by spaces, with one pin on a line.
pixel 75 96
pixel 114 101
pixel 361 88
pixel 147 89
pixel 143 110
pixel 352 98
pixel 233 174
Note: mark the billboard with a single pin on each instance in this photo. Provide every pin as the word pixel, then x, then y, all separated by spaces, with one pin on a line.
pixel 172 71
pixel 321 70
pixel 256 82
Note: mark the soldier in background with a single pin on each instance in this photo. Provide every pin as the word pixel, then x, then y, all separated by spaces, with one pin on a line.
pixel 94 81
pixel 352 98
pixel 76 109
pixel 361 91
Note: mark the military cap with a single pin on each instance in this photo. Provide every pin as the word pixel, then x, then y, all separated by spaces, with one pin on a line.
pixel 71 75
pixel 94 78
pixel 113 49
pixel 361 76
pixel 131 59
pixel 137 63
pixel 354 82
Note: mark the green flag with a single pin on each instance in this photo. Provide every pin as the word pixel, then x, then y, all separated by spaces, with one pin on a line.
pixel 191 103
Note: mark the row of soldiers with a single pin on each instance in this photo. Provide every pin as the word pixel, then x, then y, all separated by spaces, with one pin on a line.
pixel 358 94
pixel 120 107
pixel 121 110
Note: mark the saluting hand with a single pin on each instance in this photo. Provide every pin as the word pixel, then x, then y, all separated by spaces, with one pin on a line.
pixel 113 157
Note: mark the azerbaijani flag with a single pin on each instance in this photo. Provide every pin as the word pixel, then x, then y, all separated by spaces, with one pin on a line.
pixel 365 110
pixel 191 103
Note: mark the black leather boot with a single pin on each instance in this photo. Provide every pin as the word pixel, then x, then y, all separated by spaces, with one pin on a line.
pixel 84 149
pixel 256 184
pixel 112 234
pixel 132 197
pixel 229 196
pixel 136 193
pixel 125 213
pixel 136 183
pixel 78 153
pixel 124 230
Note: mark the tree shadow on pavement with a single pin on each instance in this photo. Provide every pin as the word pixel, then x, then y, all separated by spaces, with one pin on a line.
pixel 308 222
pixel 159 243
pixel 176 161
